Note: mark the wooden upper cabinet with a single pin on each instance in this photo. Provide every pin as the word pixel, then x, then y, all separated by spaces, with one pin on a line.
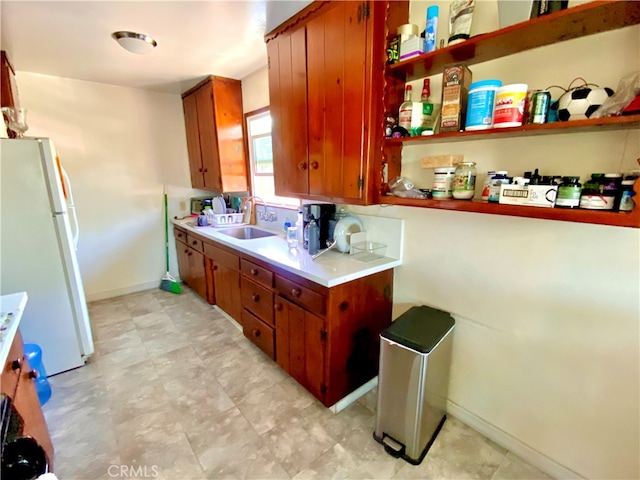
pixel 288 107
pixel 215 141
pixel 337 50
pixel 9 88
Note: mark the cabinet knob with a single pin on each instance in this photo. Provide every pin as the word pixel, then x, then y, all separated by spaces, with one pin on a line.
pixel 190 253
pixel 296 292
pixel 215 267
pixel 302 166
pixel 256 332
pixel 314 165
pixel 205 170
pixel 255 297
pixel 195 242
pixel 33 374
pixel 16 364
pixel 200 170
pixel 186 250
pixel 278 307
pixel 254 272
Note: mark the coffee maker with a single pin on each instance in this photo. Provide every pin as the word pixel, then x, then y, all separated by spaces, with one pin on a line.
pixel 322 213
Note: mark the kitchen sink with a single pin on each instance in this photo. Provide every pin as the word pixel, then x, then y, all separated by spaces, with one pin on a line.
pixel 246 233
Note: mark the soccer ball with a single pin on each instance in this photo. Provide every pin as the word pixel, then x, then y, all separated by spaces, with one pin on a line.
pixel 580 103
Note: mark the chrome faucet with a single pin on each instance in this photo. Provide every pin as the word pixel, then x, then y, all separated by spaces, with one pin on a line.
pixel 247 205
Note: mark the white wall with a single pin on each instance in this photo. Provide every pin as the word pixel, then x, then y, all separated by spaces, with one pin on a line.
pixel 255 90
pixel 119 146
pixel 546 351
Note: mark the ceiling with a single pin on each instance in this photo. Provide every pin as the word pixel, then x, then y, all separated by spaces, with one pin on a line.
pixel 73 39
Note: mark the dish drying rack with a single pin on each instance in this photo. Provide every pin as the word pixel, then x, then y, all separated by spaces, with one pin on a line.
pixel 225 219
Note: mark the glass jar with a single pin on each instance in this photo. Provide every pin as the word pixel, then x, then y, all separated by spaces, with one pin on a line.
pixel 464 181
pixel 569 193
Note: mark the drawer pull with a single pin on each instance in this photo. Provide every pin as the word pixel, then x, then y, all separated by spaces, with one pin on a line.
pixel 195 242
pixel 296 292
pixel 255 297
pixel 256 332
pixel 254 272
pixel 190 253
pixel 179 235
pixel 278 307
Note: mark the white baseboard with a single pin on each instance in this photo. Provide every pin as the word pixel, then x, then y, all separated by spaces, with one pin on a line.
pixel 118 292
pixel 226 315
pixel 518 448
pixel 353 396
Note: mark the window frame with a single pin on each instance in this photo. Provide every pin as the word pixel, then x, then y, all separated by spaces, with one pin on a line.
pixel 295 203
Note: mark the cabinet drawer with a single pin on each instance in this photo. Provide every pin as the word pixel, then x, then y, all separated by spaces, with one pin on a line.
pixel 259 333
pixel 257 299
pixel 222 257
pixel 257 274
pixel 194 243
pixel 303 296
pixel 180 235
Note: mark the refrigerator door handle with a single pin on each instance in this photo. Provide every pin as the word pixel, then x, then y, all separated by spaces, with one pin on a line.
pixel 71 208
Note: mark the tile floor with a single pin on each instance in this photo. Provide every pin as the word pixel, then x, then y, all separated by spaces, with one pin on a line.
pixel 174 391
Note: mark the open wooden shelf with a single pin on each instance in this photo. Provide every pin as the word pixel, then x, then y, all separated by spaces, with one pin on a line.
pixel 617 219
pixel 528 130
pixel 575 22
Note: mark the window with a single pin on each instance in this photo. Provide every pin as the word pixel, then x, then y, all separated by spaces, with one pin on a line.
pixel 261 158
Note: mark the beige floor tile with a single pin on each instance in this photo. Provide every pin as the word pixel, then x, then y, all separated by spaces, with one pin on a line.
pixel 457 453
pixel 176 386
pixel 514 468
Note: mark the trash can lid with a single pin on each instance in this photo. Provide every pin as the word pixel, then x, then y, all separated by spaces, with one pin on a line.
pixel 420 328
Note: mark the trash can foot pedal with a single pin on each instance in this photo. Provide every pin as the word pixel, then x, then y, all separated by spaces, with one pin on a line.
pixel 391 446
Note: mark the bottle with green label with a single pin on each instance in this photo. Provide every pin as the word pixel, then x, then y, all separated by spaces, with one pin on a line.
pixel 425 114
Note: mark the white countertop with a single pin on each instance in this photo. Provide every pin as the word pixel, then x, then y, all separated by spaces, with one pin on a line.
pixel 11 308
pixel 331 269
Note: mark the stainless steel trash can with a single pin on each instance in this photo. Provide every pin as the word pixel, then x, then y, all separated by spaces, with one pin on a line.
pixel 413 382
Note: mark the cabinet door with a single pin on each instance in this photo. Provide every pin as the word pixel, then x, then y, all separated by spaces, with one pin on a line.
pixel 182 254
pixel 193 140
pixel 208 140
pixel 337 108
pixel 300 345
pixel 288 107
pixel 197 276
pixel 227 111
pixel 227 288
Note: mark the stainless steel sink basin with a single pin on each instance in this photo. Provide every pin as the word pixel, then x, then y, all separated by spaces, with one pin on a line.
pixel 246 233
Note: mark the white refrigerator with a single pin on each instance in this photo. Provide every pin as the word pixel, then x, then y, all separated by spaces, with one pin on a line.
pixel 38 240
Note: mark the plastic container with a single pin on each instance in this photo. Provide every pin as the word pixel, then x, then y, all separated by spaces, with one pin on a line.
pixel 368 251
pixel 494 186
pixel 480 104
pixel 569 193
pixel 431 30
pixel 509 105
pixel 486 185
pixel 300 228
pixel 33 354
pixel 442 182
pixel 626 200
pixel 313 236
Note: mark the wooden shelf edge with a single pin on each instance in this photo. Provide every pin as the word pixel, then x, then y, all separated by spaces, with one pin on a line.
pixel 615 219
pixel 575 22
pixel 527 130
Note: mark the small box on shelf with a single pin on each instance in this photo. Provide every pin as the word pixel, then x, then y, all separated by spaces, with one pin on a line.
pixel 528 195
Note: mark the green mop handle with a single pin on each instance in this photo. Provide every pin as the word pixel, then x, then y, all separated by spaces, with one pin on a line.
pixel 166 232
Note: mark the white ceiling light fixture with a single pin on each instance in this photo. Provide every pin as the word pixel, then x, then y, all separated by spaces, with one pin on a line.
pixel 138 43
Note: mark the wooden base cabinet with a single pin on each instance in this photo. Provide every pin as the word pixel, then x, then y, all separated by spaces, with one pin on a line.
pixel 17 384
pixel 328 338
pixel 225 274
pixel 300 346
pixel 191 263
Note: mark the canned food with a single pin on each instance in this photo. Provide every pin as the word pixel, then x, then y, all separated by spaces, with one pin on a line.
pixel 540 101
